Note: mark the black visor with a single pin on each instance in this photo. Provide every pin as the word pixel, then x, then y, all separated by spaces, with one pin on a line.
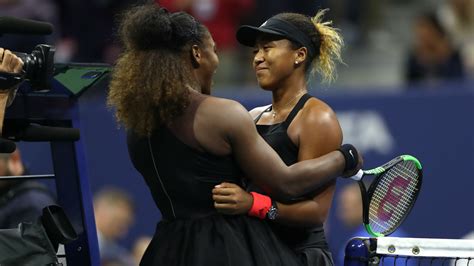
pixel 247 35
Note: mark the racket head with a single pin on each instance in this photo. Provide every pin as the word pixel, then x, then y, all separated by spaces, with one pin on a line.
pixel 392 195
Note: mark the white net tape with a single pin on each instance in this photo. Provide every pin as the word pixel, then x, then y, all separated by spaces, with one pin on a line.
pixel 425 247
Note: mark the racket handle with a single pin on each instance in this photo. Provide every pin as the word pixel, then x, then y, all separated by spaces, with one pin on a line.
pixel 358 176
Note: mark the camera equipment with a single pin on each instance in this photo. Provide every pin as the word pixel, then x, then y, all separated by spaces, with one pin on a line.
pixel 38 66
pixel 11 25
pixel 9 80
pixel 23 130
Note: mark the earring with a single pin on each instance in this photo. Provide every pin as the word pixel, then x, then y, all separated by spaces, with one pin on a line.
pixel 296 62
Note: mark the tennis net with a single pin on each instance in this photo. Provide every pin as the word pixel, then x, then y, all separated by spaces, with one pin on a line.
pixel 409 251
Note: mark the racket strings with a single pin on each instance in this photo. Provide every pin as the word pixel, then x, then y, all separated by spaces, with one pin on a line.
pixel 390 202
pixel 393 196
pixel 405 201
pixel 394 205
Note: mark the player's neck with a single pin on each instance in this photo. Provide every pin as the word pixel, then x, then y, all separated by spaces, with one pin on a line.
pixel 287 96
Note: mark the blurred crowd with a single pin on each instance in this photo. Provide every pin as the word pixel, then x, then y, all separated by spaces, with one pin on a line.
pixel 114 215
pixel 441 45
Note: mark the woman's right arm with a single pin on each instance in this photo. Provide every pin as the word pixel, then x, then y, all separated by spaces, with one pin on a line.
pixel 263 165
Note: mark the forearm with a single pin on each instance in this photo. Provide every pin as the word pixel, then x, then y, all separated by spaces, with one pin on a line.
pixel 308 176
pixel 308 212
pixel 301 214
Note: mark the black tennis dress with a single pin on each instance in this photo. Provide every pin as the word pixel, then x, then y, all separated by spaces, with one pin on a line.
pixel 191 232
pixel 309 243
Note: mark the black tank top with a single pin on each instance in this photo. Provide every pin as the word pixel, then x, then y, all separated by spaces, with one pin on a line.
pixel 276 135
pixel 179 175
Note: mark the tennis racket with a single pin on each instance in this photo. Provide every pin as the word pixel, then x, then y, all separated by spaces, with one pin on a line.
pixel 391 195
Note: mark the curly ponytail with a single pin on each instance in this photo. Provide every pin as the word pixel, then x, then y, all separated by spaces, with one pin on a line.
pixel 330 47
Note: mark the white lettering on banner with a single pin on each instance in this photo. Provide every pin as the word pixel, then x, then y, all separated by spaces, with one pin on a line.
pixel 367 130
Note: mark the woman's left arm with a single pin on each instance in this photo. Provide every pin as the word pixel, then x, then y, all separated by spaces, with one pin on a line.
pixel 319 133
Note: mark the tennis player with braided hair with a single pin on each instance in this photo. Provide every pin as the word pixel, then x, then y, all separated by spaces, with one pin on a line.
pixel 185 142
pixel 288 48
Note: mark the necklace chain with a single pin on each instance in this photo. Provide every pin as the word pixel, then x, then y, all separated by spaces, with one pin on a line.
pixel 274 113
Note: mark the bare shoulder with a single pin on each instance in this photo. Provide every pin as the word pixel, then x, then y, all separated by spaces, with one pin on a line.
pixel 225 110
pixel 320 131
pixel 223 105
pixel 316 111
pixel 258 110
